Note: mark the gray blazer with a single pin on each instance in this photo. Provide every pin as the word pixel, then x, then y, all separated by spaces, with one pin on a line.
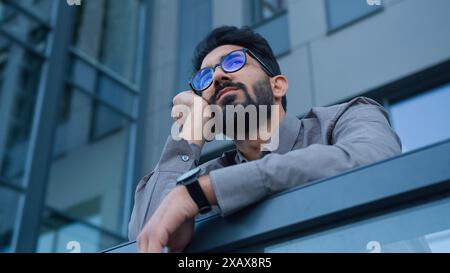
pixel 327 141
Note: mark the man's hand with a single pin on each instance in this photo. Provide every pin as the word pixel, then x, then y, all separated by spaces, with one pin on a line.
pixel 172 224
pixel 188 111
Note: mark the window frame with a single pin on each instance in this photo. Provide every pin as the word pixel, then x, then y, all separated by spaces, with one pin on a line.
pixel 257 22
pixel 331 30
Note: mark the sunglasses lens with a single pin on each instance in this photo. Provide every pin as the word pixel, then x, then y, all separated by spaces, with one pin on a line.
pixel 202 79
pixel 233 61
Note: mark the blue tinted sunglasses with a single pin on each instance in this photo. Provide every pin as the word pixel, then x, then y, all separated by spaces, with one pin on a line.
pixel 230 63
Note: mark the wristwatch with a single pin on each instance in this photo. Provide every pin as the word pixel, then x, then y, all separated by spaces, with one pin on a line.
pixel 190 181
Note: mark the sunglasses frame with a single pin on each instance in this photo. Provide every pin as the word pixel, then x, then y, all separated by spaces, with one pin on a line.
pixel 245 50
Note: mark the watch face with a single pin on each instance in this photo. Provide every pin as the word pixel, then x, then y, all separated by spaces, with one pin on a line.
pixel 188 174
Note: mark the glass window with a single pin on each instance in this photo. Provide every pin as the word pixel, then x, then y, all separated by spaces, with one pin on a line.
pixel 263 10
pixel 423 228
pixel 107 121
pixel 39 8
pixel 114 98
pixel 422 119
pixel 88 170
pixel 16 22
pixel 61 234
pixel 343 12
pixel 195 24
pixel 20 71
pixel 87 178
pixel 108 31
pixel 106 44
pixel 9 203
pixel 278 40
pixel 74 121
pixel 268 17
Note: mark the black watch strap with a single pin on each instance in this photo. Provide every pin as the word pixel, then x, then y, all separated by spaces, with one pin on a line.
pixel 190 181
pixel 197 194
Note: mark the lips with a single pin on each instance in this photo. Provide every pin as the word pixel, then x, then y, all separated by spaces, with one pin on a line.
pixel 224 91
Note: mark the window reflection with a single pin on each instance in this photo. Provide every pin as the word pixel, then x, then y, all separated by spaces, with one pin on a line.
pixel 19 81
pixel 87 177
pixel 341 13
pixel 423 119
pixel 32 31
pixel 265 9
pixel 424 228
pixel 9 202
pixel 88 170
pixel 59 233
pixel 108 31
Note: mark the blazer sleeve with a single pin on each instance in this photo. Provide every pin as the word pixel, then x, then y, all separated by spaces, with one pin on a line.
pixel 177 158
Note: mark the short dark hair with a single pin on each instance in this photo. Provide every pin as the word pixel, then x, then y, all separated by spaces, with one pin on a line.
pixel 245 37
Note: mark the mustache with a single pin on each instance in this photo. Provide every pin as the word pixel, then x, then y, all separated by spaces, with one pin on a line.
pixel 237 85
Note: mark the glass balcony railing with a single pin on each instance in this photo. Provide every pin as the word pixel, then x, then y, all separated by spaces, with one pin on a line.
pixel 400 204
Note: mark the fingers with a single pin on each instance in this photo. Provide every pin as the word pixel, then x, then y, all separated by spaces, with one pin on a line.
pixel 150 242
pixel 181 106
pixel 179 113
pixel 155 235
pixel 171 225
pixel 142 243
pixel 184 98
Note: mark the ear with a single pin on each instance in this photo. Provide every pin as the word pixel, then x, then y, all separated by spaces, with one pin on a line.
pixel 279 86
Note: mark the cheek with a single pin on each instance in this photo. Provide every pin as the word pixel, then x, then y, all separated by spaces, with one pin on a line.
pixel 243 97
pixel 207 94
pixel 251 91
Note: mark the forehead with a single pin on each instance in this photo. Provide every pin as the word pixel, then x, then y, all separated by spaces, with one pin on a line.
pixel 217 53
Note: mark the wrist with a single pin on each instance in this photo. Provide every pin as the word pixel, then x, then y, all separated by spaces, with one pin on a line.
pixel 199 143
pixel 181 193
pixel 206 185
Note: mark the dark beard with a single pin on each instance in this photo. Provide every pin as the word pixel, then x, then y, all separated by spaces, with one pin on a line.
pixel 263 94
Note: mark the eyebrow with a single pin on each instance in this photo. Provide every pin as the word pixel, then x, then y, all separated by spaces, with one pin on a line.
pixel 220 60
pixel 221 57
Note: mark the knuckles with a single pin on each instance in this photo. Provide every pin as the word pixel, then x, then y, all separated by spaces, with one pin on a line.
pixel 185 97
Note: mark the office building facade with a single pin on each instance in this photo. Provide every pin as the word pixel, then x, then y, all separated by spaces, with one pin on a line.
pixel 86 89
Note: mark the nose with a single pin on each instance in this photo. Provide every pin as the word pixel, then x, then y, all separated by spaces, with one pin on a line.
pixel 220 76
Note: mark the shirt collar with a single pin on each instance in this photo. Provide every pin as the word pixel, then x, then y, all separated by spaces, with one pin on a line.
pixel 288 133
pixel 240 158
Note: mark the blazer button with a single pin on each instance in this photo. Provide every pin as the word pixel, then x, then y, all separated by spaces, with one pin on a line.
pixel 185 158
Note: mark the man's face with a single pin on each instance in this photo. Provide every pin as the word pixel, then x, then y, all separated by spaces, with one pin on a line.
pixel 247 86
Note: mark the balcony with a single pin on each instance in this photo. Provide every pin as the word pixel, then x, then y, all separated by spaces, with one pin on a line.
pixel 400 204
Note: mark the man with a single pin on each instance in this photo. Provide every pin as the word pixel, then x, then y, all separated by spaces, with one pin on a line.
pixel 236 67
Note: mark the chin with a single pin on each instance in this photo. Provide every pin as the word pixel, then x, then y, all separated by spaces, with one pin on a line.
pixel 228 100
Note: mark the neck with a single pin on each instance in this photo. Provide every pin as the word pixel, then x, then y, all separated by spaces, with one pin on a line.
pixel 251 149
